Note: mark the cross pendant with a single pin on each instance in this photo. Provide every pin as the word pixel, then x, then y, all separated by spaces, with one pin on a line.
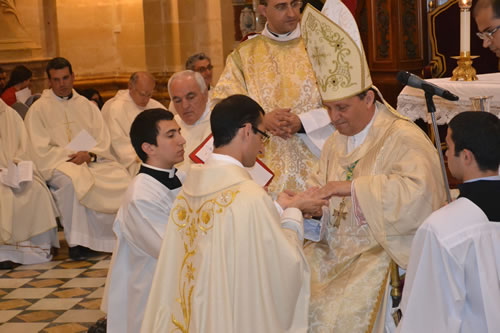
pixel 339 214
pixel 68 130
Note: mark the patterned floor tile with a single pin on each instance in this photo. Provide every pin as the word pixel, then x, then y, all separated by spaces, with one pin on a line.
pixel 14 304
pixel 22 274
pixel 12 283
pixel 102 264
pixel 75 264
pixel 94 304
pixel 45 283
pixel 6 315
pixel 22 327
pixel 73 292
pixel 72 316
pixel 29 293
pixel 84 283
pixel 66 328
pixel 44 266
pixel 96 273
pixel 55 304
pixel 60 273
pixel 97 294
pixel 38 316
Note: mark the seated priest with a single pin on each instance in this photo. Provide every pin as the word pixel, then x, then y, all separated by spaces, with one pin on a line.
pixel 384 177
pixel 141 221
pixel 72 151
pixel 121 110
pixel 229 262
pixel 190 98
pixel 452 283
pixel 28 226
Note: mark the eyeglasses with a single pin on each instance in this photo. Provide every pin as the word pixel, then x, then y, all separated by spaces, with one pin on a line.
pixel 487 35
pixel 264 137
pixel 281 7
pixel 204 69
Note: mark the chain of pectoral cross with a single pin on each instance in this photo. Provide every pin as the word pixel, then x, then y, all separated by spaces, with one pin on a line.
pixel 339 213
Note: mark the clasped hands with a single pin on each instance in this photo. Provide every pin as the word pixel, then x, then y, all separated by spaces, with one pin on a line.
pixel 282 123
pixel 311 201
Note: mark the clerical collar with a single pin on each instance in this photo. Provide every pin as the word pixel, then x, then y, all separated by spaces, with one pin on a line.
pixel 281 38
pixel 165 176
pixel 483 178
pixel 356 140
pixel 65 98
pixel 224 158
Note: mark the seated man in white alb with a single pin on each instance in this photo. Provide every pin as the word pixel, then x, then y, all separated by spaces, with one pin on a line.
pixel 27 212
pixel 142 219
pixel 452 283
pixel 121 110
pixel 190 98
pixel 87 183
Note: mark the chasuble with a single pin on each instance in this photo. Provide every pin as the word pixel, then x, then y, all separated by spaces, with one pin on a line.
pixel 397 183
pixel 230 265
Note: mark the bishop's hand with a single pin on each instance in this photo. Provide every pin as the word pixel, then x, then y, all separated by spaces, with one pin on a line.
pixel 310 202
pixel 336 189
pixel 277 123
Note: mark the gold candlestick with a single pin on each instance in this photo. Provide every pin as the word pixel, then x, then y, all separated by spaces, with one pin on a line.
pixel 464 70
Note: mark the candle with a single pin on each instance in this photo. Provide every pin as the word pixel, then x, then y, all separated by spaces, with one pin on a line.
pixel 465 6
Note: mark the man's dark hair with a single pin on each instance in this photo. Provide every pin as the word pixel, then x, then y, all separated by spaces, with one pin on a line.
pixel 194 58
pixel 58 63
pixel 482 4
pixel 478 132
pixel 19 74
pixel 144 128
pixel 231 114
pixel 363 94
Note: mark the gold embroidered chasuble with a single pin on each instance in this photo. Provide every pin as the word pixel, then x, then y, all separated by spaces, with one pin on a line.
pixel 230 266
pixel 276 75
pixel 51 124
pixel 28 211
pixel 397 182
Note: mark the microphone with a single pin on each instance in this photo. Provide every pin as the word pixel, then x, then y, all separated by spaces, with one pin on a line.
pixel 414 81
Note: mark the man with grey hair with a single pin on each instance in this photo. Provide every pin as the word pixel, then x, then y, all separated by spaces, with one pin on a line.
pixel 189 96
pixel 120 111
pixel 200 62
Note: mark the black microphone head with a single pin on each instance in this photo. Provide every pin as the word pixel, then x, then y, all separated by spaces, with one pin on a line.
pixel 403 77
pixel 450 96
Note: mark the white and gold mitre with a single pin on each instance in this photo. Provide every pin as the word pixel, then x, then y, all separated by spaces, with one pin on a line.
pixel 337 60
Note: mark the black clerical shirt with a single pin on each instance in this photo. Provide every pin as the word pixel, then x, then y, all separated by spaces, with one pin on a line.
pixel 485 194
pixel 162 176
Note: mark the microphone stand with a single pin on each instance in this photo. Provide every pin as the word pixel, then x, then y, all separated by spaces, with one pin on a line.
pixel 431 108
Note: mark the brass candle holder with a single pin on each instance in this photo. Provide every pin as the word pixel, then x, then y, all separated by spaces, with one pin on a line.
pixel 464 70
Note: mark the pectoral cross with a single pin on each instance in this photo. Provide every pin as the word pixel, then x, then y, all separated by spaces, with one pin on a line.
pixel 339 214
pixel 68 130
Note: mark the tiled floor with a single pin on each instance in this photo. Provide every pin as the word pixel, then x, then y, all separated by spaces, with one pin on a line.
pixel 58 296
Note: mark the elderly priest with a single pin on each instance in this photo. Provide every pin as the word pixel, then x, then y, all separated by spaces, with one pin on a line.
pixel 27 210
pixel 72 151
pixel 119 113
pixel 384 175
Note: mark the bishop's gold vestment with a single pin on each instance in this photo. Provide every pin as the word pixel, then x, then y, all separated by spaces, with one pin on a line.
pixel 276 74
pixel 397 183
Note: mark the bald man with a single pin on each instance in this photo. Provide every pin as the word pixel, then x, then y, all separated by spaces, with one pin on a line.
pixel 120 111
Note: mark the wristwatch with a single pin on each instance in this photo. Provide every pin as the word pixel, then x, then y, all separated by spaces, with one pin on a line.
pixel 93 157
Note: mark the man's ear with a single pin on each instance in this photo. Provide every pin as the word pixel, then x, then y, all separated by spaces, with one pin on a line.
pixel 468 157
pixel 370 97
pixel 148 148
